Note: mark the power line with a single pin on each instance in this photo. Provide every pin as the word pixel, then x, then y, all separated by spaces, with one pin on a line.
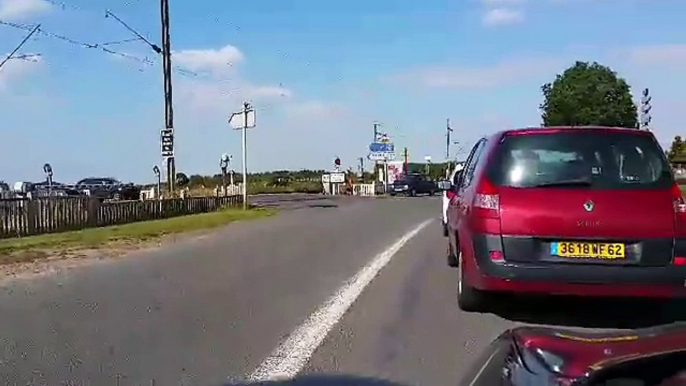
pixel 76 42
pixel 154 47
pixel 33 31
pixel 26 57
pixel 119 42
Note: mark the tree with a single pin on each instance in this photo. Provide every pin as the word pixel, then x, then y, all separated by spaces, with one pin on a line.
pixel 677 149
pixel 588 94
pixel 181 179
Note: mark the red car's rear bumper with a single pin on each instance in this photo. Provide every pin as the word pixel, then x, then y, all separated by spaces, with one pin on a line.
pixel 545 275
pixel 577 289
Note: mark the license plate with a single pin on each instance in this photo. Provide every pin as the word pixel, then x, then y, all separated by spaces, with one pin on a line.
pixel 603 251
pixel 398 189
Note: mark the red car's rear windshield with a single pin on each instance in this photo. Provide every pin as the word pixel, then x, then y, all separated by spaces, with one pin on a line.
pixel 583 158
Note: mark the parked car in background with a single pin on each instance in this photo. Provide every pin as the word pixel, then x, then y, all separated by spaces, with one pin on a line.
pixel 109 189
pixel 448 195
pixel 413 184
pixel 43 188
pixel 586 211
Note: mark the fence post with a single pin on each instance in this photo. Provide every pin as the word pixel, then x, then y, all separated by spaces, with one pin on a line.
pixel 93 207
pixel 31 214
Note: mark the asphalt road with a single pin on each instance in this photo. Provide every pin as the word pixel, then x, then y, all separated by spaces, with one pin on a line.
pixel 356 287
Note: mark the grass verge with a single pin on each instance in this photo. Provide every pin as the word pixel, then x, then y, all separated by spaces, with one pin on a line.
pixel 42 246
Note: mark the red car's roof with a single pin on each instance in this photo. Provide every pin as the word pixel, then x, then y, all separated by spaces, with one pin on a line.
pixel 550 129
pixel 585 352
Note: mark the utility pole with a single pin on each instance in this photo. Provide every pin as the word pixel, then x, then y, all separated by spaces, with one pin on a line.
pixel 448 130
pixel 361 166
pixel 646 107
pixel 246 110
pixel 168 132
pixel 33 31
pixel 246 121
pixel 376 130
pixel 406 156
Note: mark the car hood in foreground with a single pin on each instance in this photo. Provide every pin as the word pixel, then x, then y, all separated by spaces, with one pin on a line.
pixel 575 354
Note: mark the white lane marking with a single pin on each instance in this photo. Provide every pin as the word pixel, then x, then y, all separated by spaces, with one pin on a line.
pixel 289 358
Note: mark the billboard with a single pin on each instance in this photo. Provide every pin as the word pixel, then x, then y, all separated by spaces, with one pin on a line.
pixel 395 171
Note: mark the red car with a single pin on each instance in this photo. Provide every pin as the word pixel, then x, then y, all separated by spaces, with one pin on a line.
pixel 537 356
pixel 590 211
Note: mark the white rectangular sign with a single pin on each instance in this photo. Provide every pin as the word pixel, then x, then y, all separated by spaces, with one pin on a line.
pixel 326 178
pixel 337 178
pixel 237 120
pixel 379 156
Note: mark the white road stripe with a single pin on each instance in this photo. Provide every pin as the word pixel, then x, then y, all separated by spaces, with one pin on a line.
pixel 292 355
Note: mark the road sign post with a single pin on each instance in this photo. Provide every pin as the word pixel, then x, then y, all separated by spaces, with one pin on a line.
pixel 245 120
pixel 382 149
pixel 156 170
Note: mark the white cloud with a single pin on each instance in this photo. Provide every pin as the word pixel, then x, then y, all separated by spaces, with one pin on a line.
pixel 502 16
pixel 16 69
pixel 22 9
pixel 214 60
pixel 505 73
pixel 220 89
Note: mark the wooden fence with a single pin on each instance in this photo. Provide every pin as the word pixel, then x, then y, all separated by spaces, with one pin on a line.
pixel 27 217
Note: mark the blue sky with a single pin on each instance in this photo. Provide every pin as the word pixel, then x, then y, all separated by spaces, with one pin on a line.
pixel 318 72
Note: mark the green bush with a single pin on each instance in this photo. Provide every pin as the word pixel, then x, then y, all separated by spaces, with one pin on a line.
pixel 292 187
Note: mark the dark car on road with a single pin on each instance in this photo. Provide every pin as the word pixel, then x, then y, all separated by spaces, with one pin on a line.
pixel 412 185
pixel 55 189
pixel 589 211
pixel 538 356
pixel 109 189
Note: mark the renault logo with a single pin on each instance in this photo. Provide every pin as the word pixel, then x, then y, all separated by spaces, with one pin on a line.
pixel 589 206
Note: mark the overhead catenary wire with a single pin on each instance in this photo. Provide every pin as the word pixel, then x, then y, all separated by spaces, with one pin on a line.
pixel 33 31
pixel 26 57
pixel 154 47
pixel 100 46
pixel 76 42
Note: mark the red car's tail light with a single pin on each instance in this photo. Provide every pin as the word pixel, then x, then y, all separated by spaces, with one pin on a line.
pixel 679 260
pixel 496 256
pixel 487 199
pixel 534 131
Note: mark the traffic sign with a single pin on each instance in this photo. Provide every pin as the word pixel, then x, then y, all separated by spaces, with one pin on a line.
pixel 243 119
pixel 167 137
pixel 381 156
pixel 382 149
pixel 337 178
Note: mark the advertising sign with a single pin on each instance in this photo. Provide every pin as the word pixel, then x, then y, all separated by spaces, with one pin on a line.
pixel 395 171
